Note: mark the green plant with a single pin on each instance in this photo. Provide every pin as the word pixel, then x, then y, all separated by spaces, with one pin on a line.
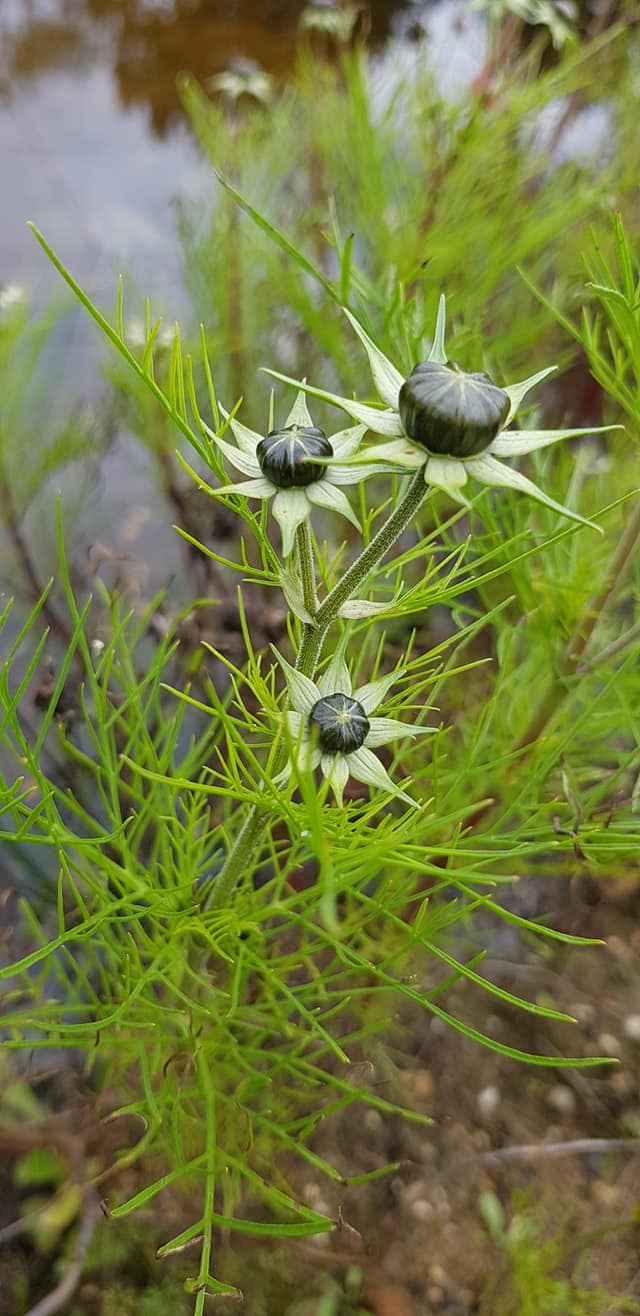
pixel 538 1276
pixel 225 945
pixel 335 1299
pixel 228 1000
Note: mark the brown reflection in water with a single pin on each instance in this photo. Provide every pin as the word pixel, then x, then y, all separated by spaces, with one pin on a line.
pixel 149 42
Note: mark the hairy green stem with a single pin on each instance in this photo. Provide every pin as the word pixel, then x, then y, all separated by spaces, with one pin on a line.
pixel 238 860
pixel 376 549
pixel 313 635
pixel 307 568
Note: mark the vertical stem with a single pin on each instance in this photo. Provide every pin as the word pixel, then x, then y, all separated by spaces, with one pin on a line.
pixel 307 568
pixel 313 635
pixel 238 860
pixel 376 549
pixel 310 648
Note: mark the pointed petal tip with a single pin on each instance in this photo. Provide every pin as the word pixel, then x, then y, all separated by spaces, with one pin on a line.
pixel 387 379
pixel 488 470
pixel 438 351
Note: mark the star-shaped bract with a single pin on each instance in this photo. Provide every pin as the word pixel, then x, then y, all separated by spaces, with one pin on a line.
pixel 331 727
pixel 449 470
pixel 293 466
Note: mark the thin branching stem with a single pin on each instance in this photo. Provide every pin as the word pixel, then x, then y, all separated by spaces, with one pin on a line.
pixel 243 855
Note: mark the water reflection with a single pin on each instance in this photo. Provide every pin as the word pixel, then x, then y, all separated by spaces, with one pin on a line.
pixel 147 43
pixel 95 149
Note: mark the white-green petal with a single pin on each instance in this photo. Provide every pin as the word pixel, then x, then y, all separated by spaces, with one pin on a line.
pixel 372 694
pixel 492 472
pixel 306 757
pixel 355 609
pixel 335 679
pixel 448 473
pixel 515 443
pixel 283 777
pixel 295 723
pixel 246 439
pixel 382 730
pixel 401 453
pixel 336 771
pixel 387 380
pixel 438 351
pixel 345 442
pixel 365 767
pixel 290 507
pixel 324 494
pixel 299 414
pixel 243 461
pixel 303 692
pixel 387 423
pixel 357 471
pixel 381 422
pixel 258 488
pixel 516 392
pixel 291 586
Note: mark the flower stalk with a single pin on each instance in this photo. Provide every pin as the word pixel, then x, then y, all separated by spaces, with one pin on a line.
pixel 307 569
pixel 377 548
pixel 242 856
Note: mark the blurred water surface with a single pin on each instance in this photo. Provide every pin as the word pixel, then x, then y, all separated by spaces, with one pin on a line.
pixel 94 146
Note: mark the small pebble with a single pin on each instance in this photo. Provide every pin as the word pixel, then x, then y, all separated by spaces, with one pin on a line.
pixel 314 1197
pixel 488 1101
pixel 562 1099
pixel 438 1275
pixel 620 949
pixel 605 1194
pixel 413 1192
pixel 441 1202
pixel 610 1045
pixel 623 1083
pixel 481 1140
pixel 422 1084
pixel 584 1012
pixel 373 1121
pixel 422 1209
pixel 632 1027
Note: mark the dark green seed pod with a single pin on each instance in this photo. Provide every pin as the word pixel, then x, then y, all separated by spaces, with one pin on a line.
pixel 450 412
pixel 284 456
pixel 341 722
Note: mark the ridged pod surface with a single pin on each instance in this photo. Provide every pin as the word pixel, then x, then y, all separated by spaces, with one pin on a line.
pixel 284 455
pixel 341 722
pixel 451 412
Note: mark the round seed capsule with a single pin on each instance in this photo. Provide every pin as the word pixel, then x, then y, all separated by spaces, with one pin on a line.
pixel 341 722
pixel 451 412
pixel 284 456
